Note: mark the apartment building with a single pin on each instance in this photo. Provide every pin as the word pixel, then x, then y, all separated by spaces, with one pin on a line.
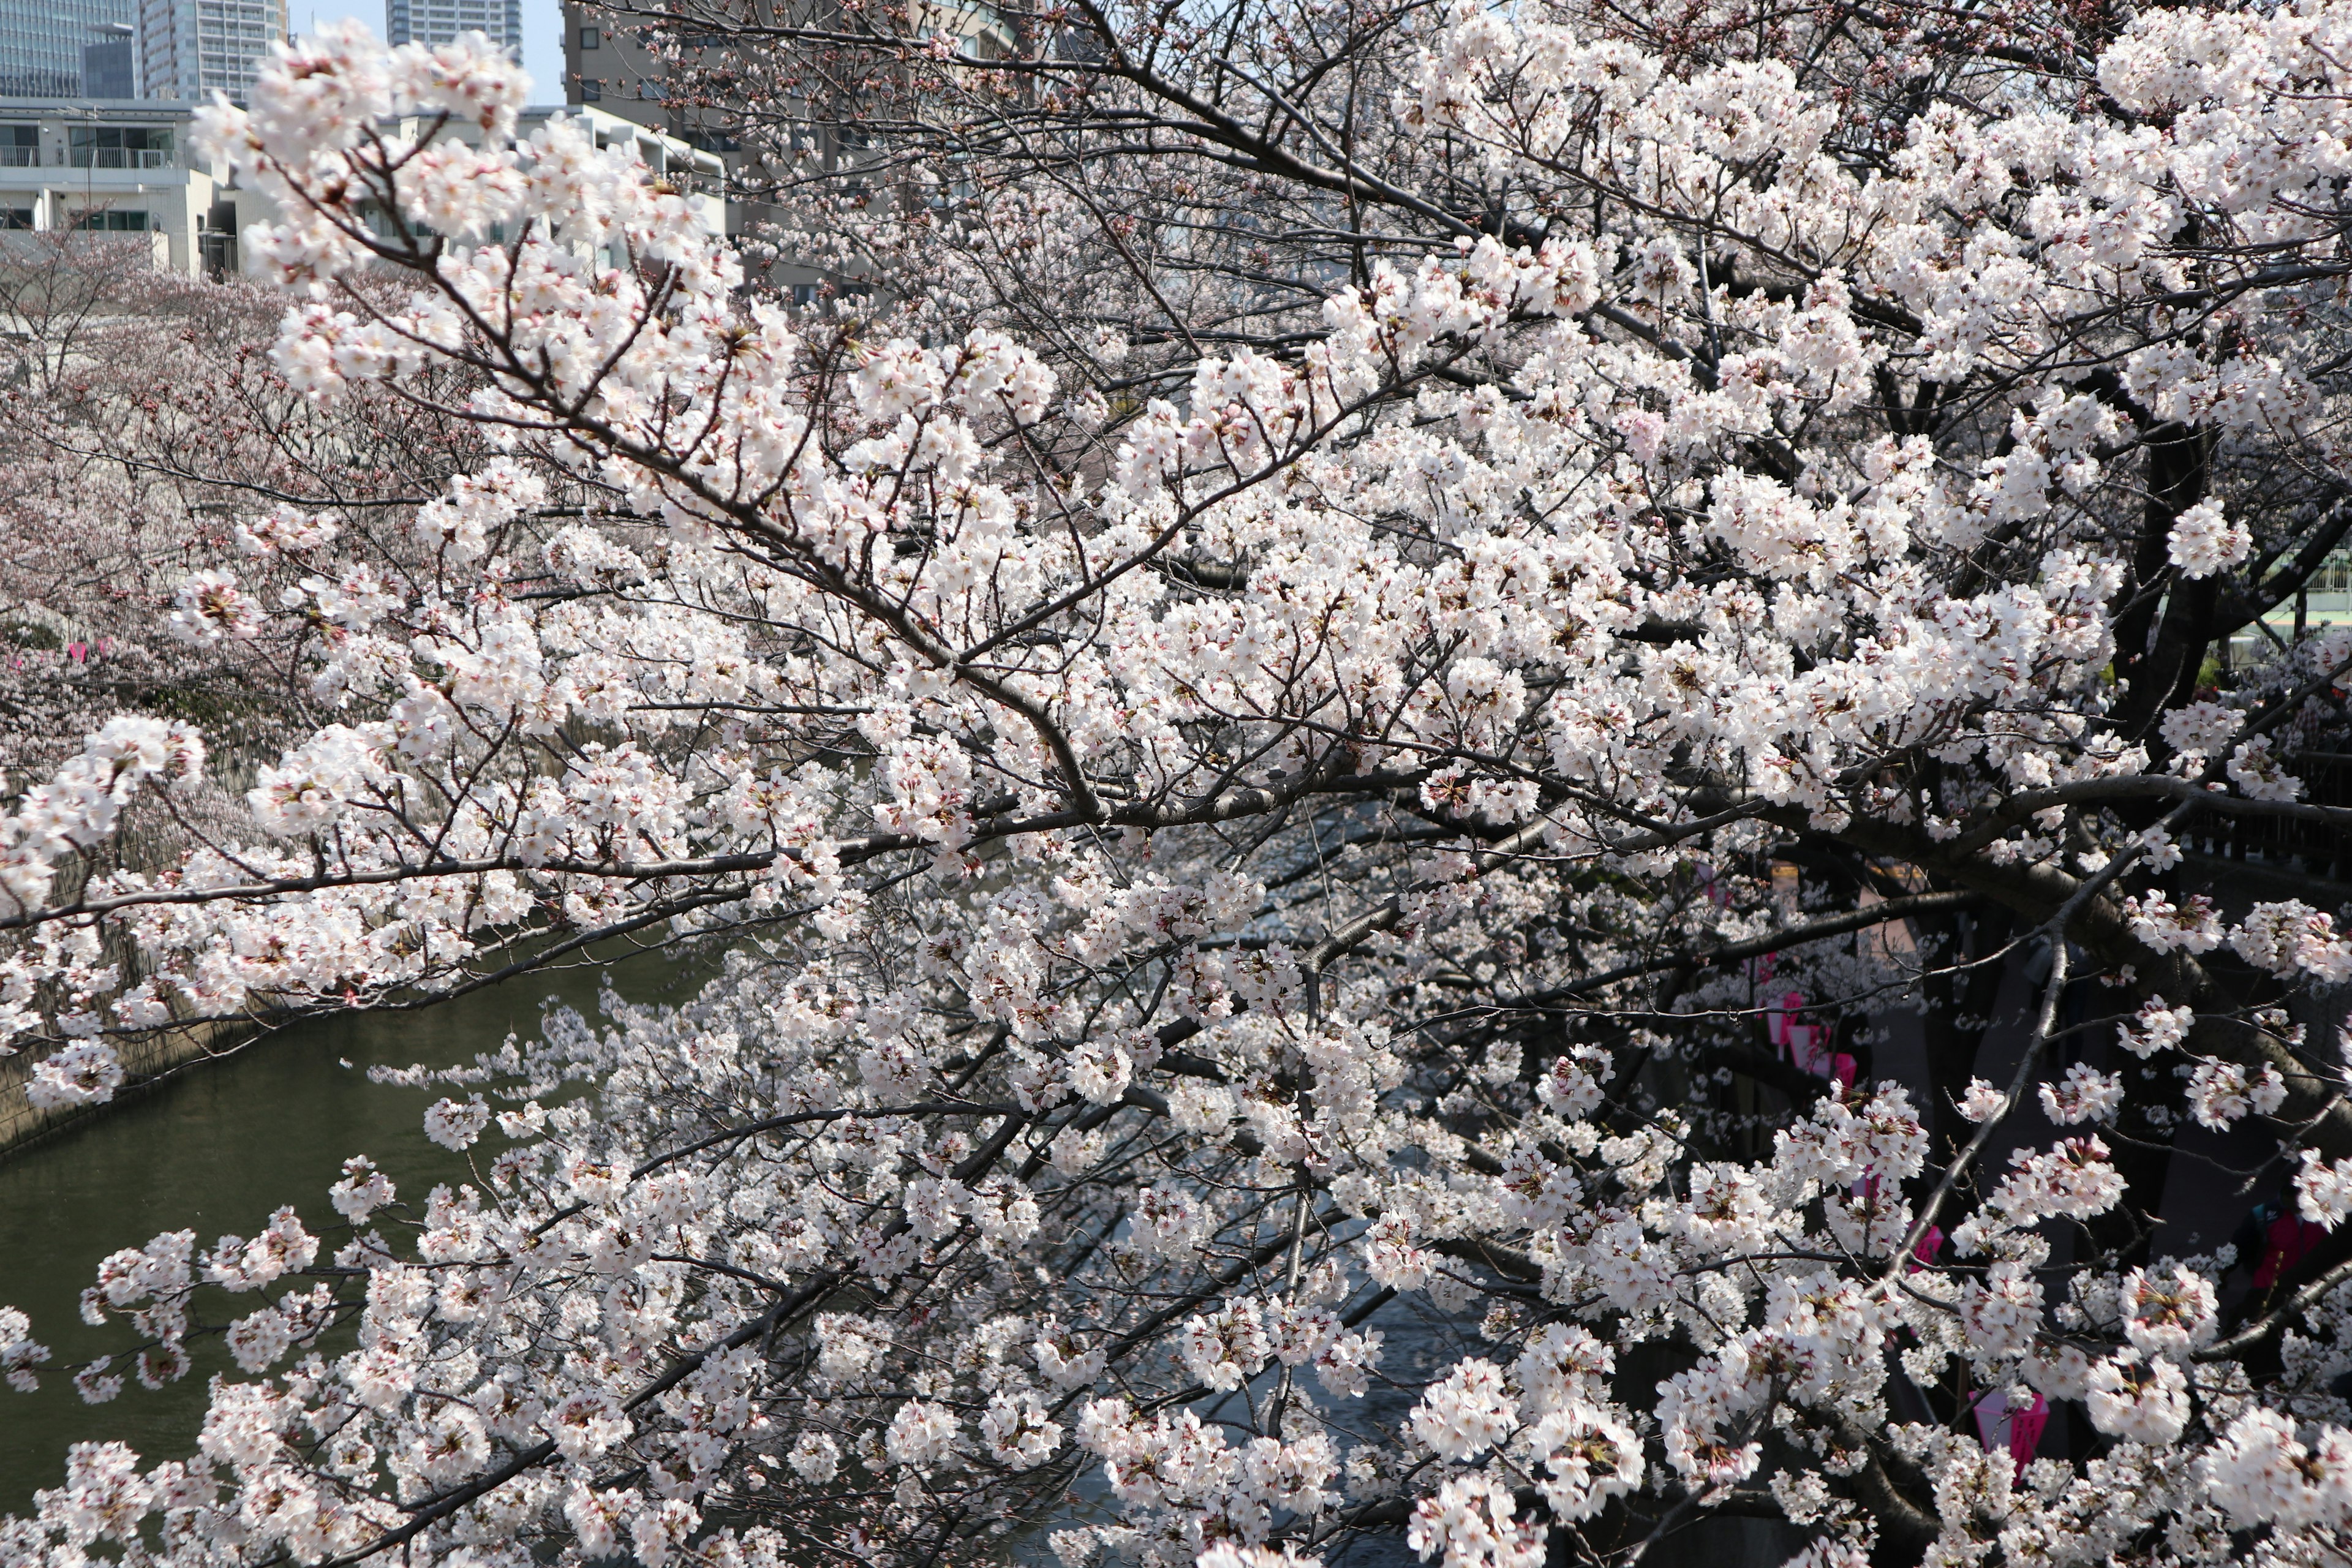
pixel 608 64
pixel 607 61
pixel 126 168
pixel 433 21
pixel 121 168
pixel 189 50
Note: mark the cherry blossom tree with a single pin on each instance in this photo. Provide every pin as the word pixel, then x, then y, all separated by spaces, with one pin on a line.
pixel 143 421
pixel 1424 818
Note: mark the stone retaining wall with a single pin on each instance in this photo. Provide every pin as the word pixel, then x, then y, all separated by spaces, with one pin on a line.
pixel 145 1058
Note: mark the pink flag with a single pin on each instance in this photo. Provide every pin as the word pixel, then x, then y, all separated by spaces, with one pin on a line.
pixel 2025 1432
pixel 1791 1005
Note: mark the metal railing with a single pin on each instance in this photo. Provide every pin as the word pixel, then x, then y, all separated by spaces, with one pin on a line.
pixel 119 157
pixel 13 156
pixel 2314 848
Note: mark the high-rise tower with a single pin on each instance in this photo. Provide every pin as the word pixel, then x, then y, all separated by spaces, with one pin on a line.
pixel 47 45
pixel 438 21
pixel 189 50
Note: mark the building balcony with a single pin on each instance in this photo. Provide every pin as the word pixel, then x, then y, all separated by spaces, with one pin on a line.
pixel 102 182
pixel 120 158
pixel 105 160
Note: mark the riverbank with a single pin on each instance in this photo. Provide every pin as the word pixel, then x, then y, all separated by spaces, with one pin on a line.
pixel 148 1060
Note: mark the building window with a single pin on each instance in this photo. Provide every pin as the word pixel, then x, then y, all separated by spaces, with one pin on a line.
pixel 20 146
pixel 16 218
pixel 591 38
pixel 120 147
pixel 592 92
pixel 113 220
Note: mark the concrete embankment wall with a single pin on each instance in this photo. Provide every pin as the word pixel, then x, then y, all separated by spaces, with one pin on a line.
pixel 146 1058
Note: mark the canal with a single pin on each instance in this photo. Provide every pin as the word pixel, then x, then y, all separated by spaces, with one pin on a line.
pixel 219 1146
pixel 215 1150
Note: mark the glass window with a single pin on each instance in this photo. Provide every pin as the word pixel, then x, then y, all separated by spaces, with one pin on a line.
pixel 113 220
pixel 591 38
pixel 121 146
pixel 16 218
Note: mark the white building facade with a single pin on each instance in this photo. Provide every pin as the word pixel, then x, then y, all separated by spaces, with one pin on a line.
pixel 119 168
pixel 126 169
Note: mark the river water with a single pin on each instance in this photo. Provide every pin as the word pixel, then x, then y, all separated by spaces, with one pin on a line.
pixel 215 1149
pixel 220 1145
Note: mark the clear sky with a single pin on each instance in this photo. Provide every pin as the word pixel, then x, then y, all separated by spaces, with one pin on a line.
pixel 543 35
